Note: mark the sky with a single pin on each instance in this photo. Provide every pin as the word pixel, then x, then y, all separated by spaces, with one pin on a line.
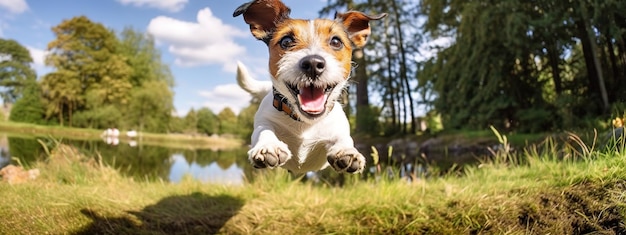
pixel 198 39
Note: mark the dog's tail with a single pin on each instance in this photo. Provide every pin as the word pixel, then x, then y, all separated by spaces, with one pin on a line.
pixel 256 88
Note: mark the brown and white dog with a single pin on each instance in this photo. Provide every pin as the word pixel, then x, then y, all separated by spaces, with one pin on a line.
pixel 300 126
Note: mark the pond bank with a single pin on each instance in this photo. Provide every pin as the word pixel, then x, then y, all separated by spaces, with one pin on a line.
pixel 165 140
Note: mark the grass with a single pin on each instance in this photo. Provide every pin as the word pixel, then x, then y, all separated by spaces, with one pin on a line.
pixel 165 140
pixel 558 189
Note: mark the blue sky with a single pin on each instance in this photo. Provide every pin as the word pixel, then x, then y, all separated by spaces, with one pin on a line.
pixel 198 39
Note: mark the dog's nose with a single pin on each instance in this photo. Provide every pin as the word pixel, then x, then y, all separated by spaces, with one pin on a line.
pixel 313 65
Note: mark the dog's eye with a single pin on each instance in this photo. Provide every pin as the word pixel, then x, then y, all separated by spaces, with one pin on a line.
pixel 335 43
pixel 287 42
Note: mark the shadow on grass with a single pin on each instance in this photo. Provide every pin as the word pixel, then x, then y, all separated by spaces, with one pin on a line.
pixel 196 213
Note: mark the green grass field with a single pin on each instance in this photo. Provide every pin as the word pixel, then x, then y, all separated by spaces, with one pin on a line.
pixel 565 188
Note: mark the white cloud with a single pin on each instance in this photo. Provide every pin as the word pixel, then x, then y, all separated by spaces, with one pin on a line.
pixel 39 58
pixel 14 6
pixel 166 5
pixel 206 42
pixel 39 55
pixel 227 95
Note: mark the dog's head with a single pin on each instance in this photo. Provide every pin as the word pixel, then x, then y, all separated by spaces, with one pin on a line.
pixel 310 60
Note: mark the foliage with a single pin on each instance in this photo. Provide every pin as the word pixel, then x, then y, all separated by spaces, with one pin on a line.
pixel 150 108
pixel 191 122
pixel 101 81
pixel 227 121
pixel 245 120
pixel 15 70
pixel 29 108
pixel 85 56
pixel 544 54
pixel 151 104
pixel 207 121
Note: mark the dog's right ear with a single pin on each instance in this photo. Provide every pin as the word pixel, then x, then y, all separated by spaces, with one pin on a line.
pixel 263 16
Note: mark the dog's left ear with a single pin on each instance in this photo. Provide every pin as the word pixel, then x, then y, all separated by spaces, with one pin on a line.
pixel 263 16
pixel 358 25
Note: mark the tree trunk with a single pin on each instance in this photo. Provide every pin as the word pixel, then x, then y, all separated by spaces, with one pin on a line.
pixel 403 63
pixel 554 60
pixel 391 90
pixel 362 93
pixel 590 50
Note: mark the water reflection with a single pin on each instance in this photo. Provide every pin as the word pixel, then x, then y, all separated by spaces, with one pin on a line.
pixel 5 157
pixel 140 161
pixel 212 173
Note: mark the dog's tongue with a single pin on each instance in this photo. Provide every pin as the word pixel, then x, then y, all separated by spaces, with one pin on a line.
pixel 312 99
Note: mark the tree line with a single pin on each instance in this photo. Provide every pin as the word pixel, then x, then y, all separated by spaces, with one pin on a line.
pixel 518 65
pixel 101 79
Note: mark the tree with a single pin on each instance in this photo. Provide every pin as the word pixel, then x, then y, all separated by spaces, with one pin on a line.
pixel 245 119
pixel 15 70
pixel 143 58
pixel 152 98
pixel 227 121
pixel 191 122
pixel 29 108
pixel 150 107
pixel 85 55
pixel 207 121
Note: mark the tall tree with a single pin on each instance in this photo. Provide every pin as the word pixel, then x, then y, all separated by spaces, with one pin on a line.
pixel 15 70
pixel 151 103
pixel 85 56
pixel 142 56
pixel 150 107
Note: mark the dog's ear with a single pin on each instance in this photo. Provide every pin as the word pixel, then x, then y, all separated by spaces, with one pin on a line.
pixel 358 25
pixel 263 16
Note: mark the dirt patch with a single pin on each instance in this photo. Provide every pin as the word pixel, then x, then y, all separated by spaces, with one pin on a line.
pixel 580 209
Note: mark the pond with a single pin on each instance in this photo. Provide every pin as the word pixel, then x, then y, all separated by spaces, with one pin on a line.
pixel 231 167
pixel 137 160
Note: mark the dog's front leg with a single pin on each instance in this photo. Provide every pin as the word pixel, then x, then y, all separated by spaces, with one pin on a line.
pixel 344 157
pixel 268 150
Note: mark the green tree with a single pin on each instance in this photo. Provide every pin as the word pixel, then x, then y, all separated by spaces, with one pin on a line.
pixel 176 124
pixel 29 108
pixel 87 61
pixel 191 122
pixel 15 70
pixel 145 60
pixel 245 120
pixel 207 121
pixel 227 121
pixel 151 104
pixel 151 107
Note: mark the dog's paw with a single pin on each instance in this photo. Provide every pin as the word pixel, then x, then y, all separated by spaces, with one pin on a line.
pixel 347 160
pixel 269 155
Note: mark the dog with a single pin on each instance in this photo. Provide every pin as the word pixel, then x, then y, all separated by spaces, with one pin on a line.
pixel 300 125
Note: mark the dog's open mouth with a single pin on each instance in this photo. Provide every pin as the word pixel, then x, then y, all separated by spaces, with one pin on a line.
pixel 312 99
